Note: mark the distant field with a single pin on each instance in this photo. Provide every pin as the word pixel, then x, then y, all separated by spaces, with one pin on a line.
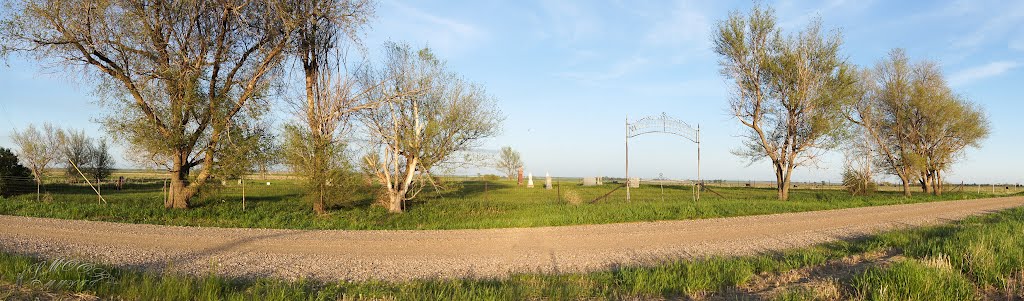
pixel 464 203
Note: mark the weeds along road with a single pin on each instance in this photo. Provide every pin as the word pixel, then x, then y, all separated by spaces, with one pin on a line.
pixel 408 254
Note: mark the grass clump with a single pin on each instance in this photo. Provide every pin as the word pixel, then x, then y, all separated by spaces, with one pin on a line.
pixel 913 280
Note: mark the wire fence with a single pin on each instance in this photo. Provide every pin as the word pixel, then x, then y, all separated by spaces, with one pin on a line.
pixel 152 187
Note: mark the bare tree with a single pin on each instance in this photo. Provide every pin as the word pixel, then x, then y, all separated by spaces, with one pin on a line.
pixel 37 148
pixel 509 162
pixel 74 147
pixel 427 114
pixel 100 164
pixel 175 72
pixel 788 91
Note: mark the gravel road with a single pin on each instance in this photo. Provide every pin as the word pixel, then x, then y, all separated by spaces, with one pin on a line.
pixel 409 254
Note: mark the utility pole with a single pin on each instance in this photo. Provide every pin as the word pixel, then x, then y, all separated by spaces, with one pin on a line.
pixel 627 158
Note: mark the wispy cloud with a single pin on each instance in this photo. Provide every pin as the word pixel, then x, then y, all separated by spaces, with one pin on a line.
pixel 972 74
pixel 568 22
pixel 685 26
pixel 615 71
pixel 445 34
pixel 1018 43
pixel 997 26
pixel 792 16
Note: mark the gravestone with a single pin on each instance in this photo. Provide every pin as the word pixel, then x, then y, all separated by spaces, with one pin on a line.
pixel 547 180
pixel 529 182
pixel 633 182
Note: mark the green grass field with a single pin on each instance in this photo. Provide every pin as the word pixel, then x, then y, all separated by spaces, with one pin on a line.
pixel 980 257
pixel 465 204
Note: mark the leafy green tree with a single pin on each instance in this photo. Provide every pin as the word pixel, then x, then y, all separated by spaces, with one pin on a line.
pixel 918 126
pixel 14 178
pixel 945 125
pixel 509 162
pixel 175 73
pixel 427 114
pixel 788 91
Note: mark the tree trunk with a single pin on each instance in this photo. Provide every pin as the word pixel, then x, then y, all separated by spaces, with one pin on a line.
pixel 787 183
pixel 395 202
pixel 926 184
pixel 318 204
pixel 936 184
pixel 781 182
pixel 179 192
pixel 906 187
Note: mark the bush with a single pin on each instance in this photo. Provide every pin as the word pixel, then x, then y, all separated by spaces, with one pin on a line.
pixel 858 182
pixel 14 178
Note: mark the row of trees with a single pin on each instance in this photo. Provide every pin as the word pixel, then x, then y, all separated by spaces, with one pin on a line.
pixel 798 97
pixel 80 155
pixel 187 85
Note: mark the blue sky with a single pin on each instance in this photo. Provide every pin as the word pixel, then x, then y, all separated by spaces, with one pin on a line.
pixel 567 73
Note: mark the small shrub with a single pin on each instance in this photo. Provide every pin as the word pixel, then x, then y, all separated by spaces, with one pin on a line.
pixel 858 182
pixel 572 197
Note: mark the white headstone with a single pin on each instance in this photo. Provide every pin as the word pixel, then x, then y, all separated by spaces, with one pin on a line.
pixel 634 182
pixel 529 182
pixel 547 180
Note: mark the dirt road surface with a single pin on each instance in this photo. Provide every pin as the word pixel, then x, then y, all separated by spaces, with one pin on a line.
pixel 409 254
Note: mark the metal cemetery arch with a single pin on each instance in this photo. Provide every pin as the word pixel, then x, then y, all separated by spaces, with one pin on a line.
pixel 662 124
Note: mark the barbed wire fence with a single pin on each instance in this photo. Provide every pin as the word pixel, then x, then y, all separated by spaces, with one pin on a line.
pixel 153 187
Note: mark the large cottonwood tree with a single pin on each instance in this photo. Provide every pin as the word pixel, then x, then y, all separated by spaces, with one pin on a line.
pixel 787 90
pixel 917 124
pixel 176 72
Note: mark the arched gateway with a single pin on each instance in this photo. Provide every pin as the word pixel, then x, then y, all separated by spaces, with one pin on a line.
pixel 662 124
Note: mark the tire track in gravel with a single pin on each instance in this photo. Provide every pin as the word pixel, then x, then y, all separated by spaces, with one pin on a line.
pixel 395 255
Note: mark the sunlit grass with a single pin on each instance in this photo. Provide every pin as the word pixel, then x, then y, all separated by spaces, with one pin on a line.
pixel 464 204
pixel 951 262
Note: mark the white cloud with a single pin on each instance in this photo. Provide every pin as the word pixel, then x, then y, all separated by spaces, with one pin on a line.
pixel 684 26
pixel 444 34
pixel 1018 44
pixel 972 74
pixel 996 27
pixel 568 22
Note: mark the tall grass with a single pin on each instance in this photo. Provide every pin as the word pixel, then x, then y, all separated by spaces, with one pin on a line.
pixel 463 205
